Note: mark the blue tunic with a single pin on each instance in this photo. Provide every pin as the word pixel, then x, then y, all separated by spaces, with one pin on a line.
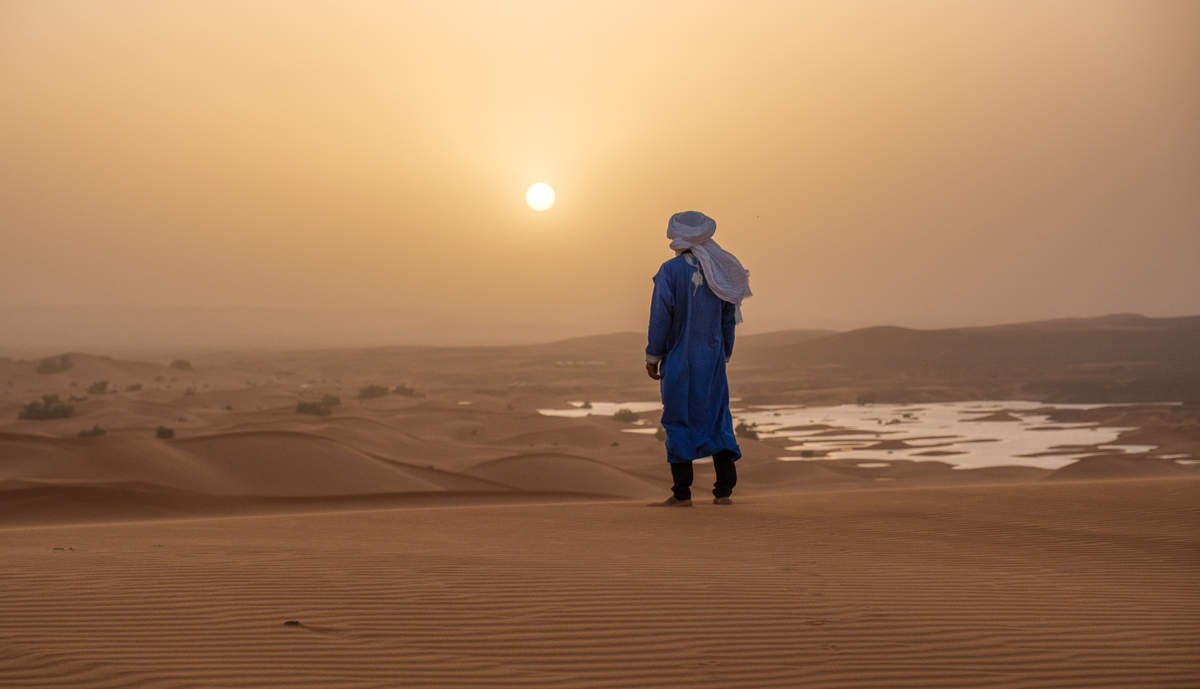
pixel 691 331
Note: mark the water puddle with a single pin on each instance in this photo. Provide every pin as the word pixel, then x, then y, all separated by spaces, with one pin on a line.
pixel 966 435
pixel 578 410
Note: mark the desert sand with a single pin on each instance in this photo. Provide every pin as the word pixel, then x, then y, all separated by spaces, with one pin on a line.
pixel 1064 584
pixel 444 531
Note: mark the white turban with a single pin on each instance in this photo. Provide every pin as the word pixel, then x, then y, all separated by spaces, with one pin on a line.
pixel 693 231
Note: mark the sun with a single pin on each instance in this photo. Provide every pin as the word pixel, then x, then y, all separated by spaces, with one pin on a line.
pixel 540 196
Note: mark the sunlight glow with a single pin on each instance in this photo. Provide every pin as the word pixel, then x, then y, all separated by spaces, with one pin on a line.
pixel 540 196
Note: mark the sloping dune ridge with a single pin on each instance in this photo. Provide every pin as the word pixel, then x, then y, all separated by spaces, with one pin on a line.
pixel 419 522
pixel 464 422
pixel 1088 585
pixel 564 473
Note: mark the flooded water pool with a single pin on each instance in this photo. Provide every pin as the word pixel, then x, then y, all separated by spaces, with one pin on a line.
pixel 967 435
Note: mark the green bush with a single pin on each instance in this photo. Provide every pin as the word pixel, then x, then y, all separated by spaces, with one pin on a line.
pixel 164 433
pixel 54 364
pixel 661 434
pixel 94 432
pixel 404 390
pixel 745 430
pixel 182 364
pixel 49 407
pixel 625 415
pixel 314 408
pixel 371 392
pixel 323 407
pixel 133 387
pixel 98 388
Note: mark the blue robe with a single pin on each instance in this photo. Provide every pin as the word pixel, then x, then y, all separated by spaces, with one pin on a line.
pixel 691 331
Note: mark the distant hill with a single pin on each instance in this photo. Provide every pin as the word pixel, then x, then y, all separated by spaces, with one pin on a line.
pixel 1109 339
pixel 1115 358
pixel 1123 357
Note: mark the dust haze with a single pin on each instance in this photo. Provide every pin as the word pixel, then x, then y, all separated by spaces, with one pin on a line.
pixel 303 174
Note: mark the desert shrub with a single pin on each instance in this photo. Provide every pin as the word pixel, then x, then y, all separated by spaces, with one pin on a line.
pixel 49 407
pixel 868 397
pixel 625 415
pixel 322 407
pixel 586 405
pixel 661 434
pixel 94 432
pixel 746 430
pixel 133 387
pixel 405 390
pixel 314 408
pixel 371 392
pixel 182 364
pixel 164 433
pixel 54 364
pixel 98 388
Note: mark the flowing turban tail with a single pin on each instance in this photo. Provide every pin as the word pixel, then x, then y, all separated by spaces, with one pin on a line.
pixel 727 278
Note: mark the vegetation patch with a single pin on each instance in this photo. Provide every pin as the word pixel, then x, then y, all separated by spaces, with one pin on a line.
pixel 322 407
pixel 746 430
pixel 625 415
pixel 94 432
pixel 49 407
pixel 371 392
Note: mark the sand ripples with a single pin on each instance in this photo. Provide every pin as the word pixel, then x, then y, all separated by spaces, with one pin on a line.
pixel 1079 585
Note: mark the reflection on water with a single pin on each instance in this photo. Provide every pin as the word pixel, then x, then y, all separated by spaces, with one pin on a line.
pixel 967 435
pixel 582 409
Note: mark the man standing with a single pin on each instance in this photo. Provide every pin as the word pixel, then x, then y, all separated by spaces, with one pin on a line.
pixel 697 303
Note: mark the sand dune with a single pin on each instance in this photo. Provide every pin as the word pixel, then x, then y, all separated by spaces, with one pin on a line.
pixel 513 572
pixel 565 473
pixel 1080 584
pixel 259 463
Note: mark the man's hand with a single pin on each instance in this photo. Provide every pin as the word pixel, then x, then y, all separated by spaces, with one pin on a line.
pixel 652 370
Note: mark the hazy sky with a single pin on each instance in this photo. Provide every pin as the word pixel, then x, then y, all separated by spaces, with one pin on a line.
pixel 354 172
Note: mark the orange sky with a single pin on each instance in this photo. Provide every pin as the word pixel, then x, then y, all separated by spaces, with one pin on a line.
pixel 296 173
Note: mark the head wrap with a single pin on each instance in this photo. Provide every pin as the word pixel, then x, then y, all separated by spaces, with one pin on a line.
pixel 693 231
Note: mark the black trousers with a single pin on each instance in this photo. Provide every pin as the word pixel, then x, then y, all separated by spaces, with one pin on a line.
pixel 681 473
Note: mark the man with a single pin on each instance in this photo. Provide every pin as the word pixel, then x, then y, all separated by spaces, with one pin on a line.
pixel 697 303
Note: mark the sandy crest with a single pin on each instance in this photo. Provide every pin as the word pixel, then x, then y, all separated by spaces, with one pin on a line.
pixel 1054 584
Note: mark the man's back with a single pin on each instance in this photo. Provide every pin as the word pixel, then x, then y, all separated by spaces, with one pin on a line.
pixel 691 309
pixel 693 313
